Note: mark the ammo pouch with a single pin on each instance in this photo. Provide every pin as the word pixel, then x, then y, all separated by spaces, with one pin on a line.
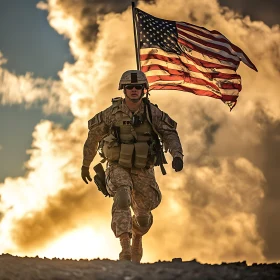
pixel 141 154
pixel 137 152
pixel 126 154
pixel 111 148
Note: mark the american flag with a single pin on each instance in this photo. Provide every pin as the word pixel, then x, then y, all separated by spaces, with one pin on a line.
pixel 182 56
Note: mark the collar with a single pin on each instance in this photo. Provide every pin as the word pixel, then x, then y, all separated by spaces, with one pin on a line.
pixel 126 110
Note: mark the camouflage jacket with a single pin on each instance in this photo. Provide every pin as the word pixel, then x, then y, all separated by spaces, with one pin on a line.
pixel 100 126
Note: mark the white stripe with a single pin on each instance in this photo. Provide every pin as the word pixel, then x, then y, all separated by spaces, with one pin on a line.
pixel 239 54
pixel 194 54
pixel 205 57
pixel 228 46
pixel 212 50
pixel 205 31
pixel 148 62
pixel 195 86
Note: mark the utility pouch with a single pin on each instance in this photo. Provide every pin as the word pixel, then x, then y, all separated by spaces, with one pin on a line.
pixel 126 154
pixel 111 148
pixel 141 154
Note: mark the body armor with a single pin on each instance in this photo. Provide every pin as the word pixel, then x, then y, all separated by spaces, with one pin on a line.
pixel 131 141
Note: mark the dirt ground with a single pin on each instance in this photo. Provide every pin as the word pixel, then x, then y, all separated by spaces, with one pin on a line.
pixel 12 268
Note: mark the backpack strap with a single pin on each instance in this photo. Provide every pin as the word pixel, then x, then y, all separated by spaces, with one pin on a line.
pixel 161 160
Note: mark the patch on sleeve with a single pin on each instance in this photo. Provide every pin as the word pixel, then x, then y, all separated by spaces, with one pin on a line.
pixel 97 119
pixel 165 117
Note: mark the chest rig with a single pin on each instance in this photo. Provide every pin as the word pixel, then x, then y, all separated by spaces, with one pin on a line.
pixel 131 141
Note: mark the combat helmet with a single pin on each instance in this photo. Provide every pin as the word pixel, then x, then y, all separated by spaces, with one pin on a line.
pixel 133 77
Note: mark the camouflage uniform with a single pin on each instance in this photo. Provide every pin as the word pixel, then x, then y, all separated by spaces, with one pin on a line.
pixel 131 187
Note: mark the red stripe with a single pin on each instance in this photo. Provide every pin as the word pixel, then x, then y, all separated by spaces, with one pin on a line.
pixel 212 37
pixel 236 48
pixel 191 68
pixel 184 77
pixel 209 53
pixel 231 98
pixel 180 75
pixel 202 28
pixel 208 44
pixel 191 80
pixel 231 86
pixel 178 61
pixel 209 36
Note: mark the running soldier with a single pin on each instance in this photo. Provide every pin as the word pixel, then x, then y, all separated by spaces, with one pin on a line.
pixel 129 134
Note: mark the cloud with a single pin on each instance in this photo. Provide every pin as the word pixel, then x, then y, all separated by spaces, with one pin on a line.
pixel 217 208
pixel 260 10
pixel 29 90
pixel 68 209
pixel 84 17
pixel 214 209
pixel 3 60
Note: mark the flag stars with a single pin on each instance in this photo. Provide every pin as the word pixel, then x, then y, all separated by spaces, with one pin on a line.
pixel 156 32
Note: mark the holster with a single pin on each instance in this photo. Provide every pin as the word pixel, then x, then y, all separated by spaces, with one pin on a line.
pixel 99 179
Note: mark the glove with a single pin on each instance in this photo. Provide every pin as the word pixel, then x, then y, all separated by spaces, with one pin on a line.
pixel 177 164
pixel 85 174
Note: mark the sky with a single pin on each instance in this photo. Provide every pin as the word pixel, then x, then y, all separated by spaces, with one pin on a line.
pixel 60 62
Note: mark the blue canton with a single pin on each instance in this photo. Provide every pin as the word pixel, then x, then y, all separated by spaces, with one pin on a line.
pixel 157 33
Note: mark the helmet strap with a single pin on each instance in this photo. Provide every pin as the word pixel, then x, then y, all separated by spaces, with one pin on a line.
pixel 147 94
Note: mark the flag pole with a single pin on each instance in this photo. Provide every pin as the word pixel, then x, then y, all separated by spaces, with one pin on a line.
pixel 135 37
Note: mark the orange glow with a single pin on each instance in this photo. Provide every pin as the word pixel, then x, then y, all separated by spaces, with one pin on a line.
pixel 83 243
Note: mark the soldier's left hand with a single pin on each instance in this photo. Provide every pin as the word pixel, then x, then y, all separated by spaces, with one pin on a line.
pixel 177 164
pixel 85 174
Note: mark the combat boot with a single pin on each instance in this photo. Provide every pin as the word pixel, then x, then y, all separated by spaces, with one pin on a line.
pixel 137 248
pixel 125 254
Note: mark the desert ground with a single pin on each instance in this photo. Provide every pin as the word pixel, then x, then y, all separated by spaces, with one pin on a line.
pixel 13 267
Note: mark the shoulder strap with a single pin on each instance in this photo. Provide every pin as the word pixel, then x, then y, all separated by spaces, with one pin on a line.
pixel 160 155
pixel 116 101
pixel 149 115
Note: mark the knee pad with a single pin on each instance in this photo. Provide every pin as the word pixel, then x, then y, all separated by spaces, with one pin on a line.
pixel 143 221
pixel 122 198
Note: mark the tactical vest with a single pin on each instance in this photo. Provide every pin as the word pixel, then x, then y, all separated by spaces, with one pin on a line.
pixel 131 142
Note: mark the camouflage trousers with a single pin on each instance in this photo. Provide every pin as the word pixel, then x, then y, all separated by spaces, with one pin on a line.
pixel 134 189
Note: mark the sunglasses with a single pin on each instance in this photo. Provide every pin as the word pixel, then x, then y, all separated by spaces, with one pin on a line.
pixel 134 86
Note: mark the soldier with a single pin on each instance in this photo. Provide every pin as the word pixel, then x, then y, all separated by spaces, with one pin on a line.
pixel 128 133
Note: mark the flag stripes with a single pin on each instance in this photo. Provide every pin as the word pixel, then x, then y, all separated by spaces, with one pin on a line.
pixel 216 37
pixel 165 68
pixel 189 58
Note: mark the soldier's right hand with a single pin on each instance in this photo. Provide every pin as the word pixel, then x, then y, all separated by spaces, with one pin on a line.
pixel 177 164
pixel 85 174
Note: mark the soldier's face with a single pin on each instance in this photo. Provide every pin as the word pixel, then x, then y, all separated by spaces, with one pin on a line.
pixel 133 92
